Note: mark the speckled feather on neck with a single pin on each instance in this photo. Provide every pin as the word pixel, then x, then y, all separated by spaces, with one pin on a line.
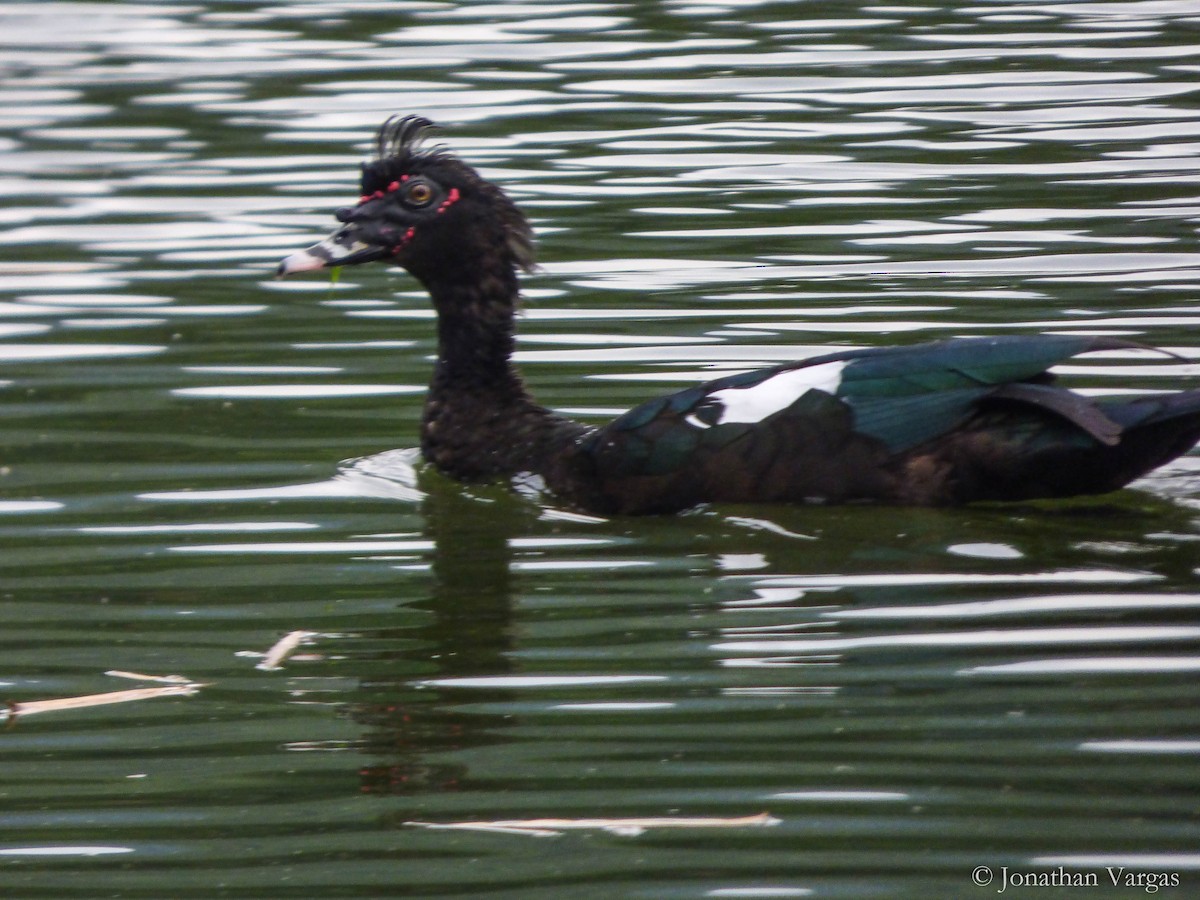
pixel 479 419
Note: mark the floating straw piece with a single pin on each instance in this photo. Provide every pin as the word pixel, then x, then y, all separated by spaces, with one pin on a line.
pixel 624 827
pixel 283 649
pixel 138 676
pixel 178 686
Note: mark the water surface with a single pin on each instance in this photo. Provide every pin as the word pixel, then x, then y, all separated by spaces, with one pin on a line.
pixel 199 460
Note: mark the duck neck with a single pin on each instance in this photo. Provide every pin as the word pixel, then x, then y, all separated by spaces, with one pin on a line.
pixel 476 338
pixel 480 420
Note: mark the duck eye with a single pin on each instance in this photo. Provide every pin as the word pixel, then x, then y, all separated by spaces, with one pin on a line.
pixel 419 193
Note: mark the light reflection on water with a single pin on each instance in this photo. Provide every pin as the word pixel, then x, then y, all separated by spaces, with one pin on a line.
pixel 715 186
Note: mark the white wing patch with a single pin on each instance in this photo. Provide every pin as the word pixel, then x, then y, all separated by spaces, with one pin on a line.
pixel 755 403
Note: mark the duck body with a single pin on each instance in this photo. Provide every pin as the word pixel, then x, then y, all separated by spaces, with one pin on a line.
pixel 947 422
pixel 941 423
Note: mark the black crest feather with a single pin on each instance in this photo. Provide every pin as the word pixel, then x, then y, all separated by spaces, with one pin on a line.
pixel 400 145
pixel 403 136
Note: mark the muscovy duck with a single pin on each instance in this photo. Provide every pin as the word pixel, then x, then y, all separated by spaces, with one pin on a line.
pixel 939 423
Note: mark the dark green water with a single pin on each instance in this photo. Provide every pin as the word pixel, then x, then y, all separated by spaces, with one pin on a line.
pixel 198 460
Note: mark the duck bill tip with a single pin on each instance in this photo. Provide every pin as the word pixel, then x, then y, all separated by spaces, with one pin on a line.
pixel 301 261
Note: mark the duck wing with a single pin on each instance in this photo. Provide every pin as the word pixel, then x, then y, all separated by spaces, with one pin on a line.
pixel 829 426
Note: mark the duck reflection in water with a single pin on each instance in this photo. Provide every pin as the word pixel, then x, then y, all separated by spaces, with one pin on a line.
pixel 412 719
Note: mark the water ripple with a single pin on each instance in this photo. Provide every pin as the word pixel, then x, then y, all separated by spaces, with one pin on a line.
pixel 715 185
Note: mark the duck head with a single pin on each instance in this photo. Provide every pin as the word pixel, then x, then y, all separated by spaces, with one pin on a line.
pixel 424 210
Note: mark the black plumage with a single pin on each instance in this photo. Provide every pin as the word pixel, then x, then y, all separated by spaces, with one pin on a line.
pixel 945 422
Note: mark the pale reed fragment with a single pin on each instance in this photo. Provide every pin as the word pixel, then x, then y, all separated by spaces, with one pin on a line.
pixel 33 707
pixel 625 827
pixel 282 649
